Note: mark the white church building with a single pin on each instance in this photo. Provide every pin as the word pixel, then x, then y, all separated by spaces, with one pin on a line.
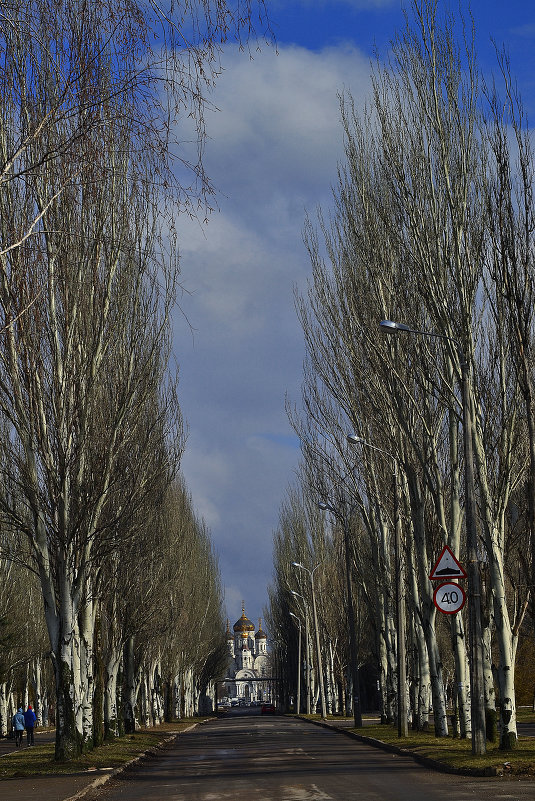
pixel 249 662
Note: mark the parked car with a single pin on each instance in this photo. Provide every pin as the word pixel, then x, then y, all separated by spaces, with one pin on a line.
pixel 268 709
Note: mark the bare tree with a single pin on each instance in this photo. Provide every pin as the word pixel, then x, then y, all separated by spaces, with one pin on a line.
pixel 427 184
pixel 91 98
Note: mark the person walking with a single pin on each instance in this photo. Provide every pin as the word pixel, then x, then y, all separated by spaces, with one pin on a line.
pixel 29 723
pixel 18 727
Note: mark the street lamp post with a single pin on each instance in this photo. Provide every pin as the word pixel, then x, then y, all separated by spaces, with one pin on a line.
pixel 318 649
pixel 307 648
pixel 353 650
pixel 477 699
pixel 402 712
pixel 298 701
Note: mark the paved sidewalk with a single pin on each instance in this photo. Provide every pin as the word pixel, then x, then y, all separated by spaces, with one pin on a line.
pixel 46 788
pixel 61 788
pixel 7 745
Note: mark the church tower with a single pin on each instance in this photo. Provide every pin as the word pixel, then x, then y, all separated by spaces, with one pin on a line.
pixel 249 666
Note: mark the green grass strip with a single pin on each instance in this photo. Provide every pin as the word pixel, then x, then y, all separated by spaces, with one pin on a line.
pixel 39 760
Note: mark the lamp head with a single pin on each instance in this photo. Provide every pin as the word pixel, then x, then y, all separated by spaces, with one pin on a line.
pixel 297 564
pixel 353 439
pixel 390 326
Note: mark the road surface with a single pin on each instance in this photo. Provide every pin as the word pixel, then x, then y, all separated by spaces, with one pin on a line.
pixel 265 758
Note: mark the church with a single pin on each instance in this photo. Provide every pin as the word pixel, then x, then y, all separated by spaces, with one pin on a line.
pixel 248 678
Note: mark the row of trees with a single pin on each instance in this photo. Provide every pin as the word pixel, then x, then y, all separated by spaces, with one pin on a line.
pixel 433 226
pixel 91 176
pixel 157 630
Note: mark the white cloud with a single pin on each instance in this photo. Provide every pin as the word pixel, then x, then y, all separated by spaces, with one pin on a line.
pixel 273 152
pixel 526 31
pixel 358 5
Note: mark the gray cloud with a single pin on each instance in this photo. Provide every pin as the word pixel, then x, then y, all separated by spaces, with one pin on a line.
pixel 272 153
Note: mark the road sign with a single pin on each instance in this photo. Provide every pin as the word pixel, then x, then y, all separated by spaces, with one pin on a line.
pixel 447 567
pixel 449 598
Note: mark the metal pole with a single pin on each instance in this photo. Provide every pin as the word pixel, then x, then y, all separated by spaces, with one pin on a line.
pixel 357 710
pixel 298 702
pixel 307 649
pixel 403 726
pixel 477 699
pixel 318 650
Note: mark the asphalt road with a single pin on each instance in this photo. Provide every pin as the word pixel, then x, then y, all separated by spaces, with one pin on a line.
pixel 261 758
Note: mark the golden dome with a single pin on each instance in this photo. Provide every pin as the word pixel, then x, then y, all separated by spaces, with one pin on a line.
pixel 243 624
pixel 260 635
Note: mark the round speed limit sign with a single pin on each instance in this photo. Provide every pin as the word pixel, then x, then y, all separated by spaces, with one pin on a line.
pixel 449 598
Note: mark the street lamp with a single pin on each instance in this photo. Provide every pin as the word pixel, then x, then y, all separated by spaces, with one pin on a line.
pixel 318 650
pixel 474 591
pixel 298 702
pixel 307 641
pixel 357 712
pixel 403 726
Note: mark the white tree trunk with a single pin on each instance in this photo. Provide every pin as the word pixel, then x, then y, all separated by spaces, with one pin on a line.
pixel 382 659
pixel 144 697
pixel 37 693
pixel 507 643
pixel 176 711
pixel 45 707
pixel 4 727
pixel 423 700
pixel 495 545
pixel 462 681
pixel 87 678
pixel 331 685
pixel 488 674
pixel 111 715
pixel 130 698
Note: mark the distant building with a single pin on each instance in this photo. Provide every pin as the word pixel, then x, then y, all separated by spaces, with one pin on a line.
pixel 249 662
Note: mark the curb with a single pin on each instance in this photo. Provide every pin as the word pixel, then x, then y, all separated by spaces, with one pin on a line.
pixel 427 762
pixel 100 780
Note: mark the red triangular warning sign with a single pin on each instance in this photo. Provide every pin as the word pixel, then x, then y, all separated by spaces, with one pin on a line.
pixel 447 567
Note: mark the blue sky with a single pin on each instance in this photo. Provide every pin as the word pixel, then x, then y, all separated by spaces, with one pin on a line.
pixel 273 150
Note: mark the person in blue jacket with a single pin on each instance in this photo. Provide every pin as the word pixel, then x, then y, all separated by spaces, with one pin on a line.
pixel 29 722
pixel 18 727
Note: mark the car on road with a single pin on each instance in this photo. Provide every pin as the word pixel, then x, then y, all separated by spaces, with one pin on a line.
pixel 268 709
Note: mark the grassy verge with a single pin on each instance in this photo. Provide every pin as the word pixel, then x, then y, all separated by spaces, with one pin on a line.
pixel 454 752
pixel 458 753
pixel 39 760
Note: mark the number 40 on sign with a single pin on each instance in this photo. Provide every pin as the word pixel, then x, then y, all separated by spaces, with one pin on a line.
pixel 449 598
